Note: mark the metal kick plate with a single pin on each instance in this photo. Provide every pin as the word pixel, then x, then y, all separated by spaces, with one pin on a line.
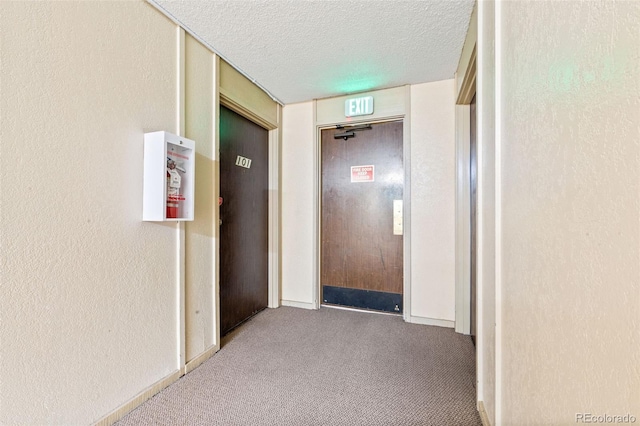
pixel 397 217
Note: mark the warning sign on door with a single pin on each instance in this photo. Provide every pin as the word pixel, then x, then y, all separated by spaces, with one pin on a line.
pixel 362 174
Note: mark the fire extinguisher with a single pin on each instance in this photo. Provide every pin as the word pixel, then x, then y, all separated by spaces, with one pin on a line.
pixel 173 189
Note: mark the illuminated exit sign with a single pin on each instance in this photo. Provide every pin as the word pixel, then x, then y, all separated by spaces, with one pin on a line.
pixel 358 106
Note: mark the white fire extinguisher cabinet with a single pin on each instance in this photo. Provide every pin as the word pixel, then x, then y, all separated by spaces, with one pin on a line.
pixel 169 177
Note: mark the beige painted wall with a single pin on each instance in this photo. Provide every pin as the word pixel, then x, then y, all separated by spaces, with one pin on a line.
pixel 201 234
pixel 88 300
pixel 298 205
pixel 570 209
pixel 486 285
pixel 433 200
pixel 247 99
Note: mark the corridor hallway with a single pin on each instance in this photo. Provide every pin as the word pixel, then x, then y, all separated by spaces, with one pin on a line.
pixel 291 366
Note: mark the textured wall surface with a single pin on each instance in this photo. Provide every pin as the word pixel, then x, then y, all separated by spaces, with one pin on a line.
pixel 486 285
pixel 297 203
pixel 201 233
pixel 571 203
pixel 88 289
pixel 433 200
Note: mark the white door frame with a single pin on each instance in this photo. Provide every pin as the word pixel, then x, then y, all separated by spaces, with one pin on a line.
pixel 463 191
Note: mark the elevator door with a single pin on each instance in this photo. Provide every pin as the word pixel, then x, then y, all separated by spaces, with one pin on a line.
pixel 362 193
pixel 244 235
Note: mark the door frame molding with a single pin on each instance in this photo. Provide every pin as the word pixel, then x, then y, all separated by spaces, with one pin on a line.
pixel 466 84
pixel 275 139
pixel 393 105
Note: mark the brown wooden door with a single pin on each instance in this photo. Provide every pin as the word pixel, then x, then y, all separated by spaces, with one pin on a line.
pixel 361 256
pixel 473 174
pixel 244 219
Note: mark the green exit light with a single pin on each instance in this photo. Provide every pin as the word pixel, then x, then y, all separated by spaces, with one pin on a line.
pixel 358 106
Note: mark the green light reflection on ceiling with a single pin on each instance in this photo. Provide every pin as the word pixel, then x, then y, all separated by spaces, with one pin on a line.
pixel 356 85
pixel 353 77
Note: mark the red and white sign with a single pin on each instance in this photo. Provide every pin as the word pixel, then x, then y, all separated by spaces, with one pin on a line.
pixel 362 174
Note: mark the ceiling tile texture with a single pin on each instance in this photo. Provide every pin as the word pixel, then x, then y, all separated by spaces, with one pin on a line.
pixel 304 50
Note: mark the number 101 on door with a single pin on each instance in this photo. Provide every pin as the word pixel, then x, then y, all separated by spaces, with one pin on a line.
pixel 243 162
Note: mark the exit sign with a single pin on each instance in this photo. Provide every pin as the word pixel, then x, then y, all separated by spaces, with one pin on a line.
pixel 358 106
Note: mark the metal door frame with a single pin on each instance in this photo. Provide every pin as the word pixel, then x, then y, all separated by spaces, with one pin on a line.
pixel 318 298
pixel 406 255
pixel 272 222
pixel 274 160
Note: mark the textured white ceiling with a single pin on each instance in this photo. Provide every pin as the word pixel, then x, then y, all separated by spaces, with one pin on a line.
pixel 302 50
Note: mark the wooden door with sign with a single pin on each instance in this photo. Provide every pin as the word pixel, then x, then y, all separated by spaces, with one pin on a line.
pixel 362 185
pixel 244 165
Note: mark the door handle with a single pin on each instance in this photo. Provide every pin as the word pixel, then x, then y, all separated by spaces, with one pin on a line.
pixel 397 217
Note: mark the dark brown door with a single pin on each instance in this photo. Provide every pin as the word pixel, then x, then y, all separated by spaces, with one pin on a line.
pixel 244 219
pixel 361 256
pixel 473 174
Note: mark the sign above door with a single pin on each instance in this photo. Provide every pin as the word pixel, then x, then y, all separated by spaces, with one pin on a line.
pixel 358 106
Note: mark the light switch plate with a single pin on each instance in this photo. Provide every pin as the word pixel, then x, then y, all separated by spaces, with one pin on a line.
pixel 397 217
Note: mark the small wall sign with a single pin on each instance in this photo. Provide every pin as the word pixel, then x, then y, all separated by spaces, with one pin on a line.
pixel 358 106
pixel 243 162
pixel 362 173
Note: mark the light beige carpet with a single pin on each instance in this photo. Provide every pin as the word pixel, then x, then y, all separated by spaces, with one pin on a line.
pixel 291 366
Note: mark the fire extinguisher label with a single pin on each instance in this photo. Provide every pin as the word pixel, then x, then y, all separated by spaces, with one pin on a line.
pixel 174 179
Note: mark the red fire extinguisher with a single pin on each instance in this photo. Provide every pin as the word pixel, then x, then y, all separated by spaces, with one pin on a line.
pixel 173 189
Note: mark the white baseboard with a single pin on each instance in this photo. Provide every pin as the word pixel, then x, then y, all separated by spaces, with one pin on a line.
pixel 431 321
pixel 366 311
pixel 293 304
pixel 137 400
pixel 152 390
pixel 483 414
pixel 195 363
